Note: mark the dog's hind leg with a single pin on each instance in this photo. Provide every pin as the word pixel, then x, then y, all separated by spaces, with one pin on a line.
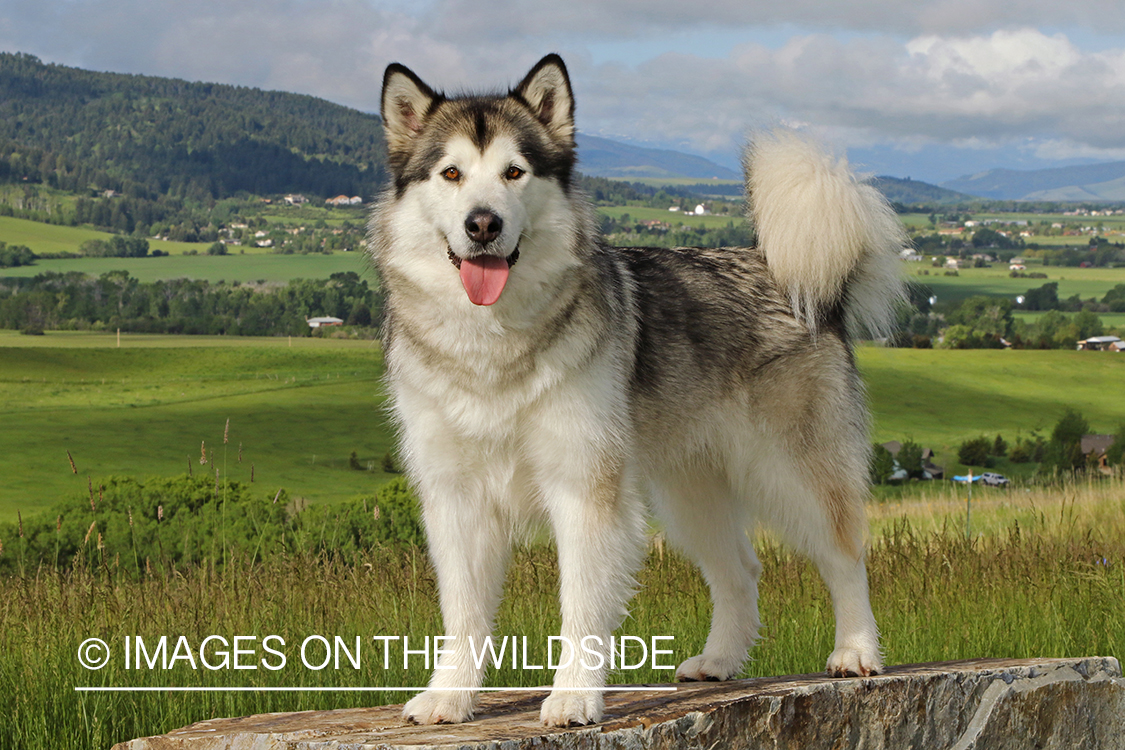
pixel 822 515
pixel 840 559
pixel 703 520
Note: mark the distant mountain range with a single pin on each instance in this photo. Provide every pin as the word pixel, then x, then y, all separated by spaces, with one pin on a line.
pixel 1091 182
pixel 602 157
pixel 165 140
pixel 911 192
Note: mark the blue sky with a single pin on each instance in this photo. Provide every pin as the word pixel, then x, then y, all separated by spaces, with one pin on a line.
pixel 932 90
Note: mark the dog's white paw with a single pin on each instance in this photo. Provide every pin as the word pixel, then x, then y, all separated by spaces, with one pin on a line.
pixel 850 661
pixel 440 707
pixel 702 667
pixel 572 708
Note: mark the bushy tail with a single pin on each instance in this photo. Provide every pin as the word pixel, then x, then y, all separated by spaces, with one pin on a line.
pixel 827 237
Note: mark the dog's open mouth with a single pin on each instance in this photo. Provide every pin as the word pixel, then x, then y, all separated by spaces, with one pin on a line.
pixel 484 276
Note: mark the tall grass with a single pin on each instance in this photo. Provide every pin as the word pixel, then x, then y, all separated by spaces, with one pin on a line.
pixel 1051 587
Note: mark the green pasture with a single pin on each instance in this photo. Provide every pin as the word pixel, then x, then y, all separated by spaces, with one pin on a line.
pixel 675 218
pixel 1112 223
pixel 1109 320
pixel 297 411
pixel 995 281
pixel 45 239
pixel 678 181
pixel 237 267
pixel 940 397
pixel 300 410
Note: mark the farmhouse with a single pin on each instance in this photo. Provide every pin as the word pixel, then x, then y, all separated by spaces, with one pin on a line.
pixel 930 470
pixel 343 200
pixel 323 322
pixel 1095 447
pixel 1101 344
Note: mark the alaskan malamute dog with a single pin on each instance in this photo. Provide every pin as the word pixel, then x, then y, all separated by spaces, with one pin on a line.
pixel 538 374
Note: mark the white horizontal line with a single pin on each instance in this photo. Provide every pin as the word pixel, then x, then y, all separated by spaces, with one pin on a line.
pixel 174 689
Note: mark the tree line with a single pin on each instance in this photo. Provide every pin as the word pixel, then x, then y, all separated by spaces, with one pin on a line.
pixel 984 322
pixel 75 301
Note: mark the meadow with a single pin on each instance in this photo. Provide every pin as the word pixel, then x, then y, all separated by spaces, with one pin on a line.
pixel 1039 572
pixel 50 239
pixel 1049 586
pixel 996 281
pixel 297 407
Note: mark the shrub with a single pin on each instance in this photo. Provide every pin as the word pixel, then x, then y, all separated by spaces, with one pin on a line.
pixel 910 459
pixel 882 465
pixel 999 447
pixel 975 452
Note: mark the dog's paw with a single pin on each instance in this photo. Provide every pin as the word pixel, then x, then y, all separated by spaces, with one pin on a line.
pixel 572 708
pixel 854 662
pixel 703 667
pixel 439 707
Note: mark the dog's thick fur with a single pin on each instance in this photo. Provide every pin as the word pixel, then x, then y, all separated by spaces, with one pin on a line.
pixel 718 385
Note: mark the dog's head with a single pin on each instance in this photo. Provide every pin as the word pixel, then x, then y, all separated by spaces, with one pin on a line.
pixel 484 169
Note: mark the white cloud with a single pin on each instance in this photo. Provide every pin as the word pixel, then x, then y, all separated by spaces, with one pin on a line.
pixel 992 89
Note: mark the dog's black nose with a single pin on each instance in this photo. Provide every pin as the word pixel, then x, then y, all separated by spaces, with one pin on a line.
pixel 483 226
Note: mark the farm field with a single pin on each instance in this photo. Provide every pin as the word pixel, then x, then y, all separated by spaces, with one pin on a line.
pixel 941 397
pixel 300 411
pixel 675 218
pixel 1109 320
pixel 995 281
pixel 48 238
pixel 237 267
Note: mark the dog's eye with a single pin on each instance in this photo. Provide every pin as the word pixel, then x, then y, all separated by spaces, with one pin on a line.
pixel 514 173
pixel 453 174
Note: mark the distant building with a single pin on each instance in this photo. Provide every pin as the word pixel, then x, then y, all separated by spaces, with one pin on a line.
pixel 343 200
pixel 1101 344
pixel 295 199
pixel 324 322
pixel 1097 445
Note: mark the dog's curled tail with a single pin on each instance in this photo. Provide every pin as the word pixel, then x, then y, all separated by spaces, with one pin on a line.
pixel 828 238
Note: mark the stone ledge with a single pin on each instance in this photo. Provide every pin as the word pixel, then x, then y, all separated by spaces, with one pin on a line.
pixel 965 705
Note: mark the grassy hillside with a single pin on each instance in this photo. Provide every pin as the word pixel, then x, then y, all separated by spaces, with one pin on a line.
pixel 940 397
pixel 300 411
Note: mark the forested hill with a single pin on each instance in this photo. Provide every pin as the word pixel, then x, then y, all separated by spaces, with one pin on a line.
pixel 149 137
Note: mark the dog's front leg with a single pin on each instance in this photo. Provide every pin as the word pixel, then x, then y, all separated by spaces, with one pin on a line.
pixel 469 549
pixel 598 523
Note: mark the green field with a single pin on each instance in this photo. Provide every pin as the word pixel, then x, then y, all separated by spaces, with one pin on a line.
pixel 995 281
pixel 300 411
pixel 675 218
pixel 237 267
pixel 940 397
pixel 45 239
pixel 1048 588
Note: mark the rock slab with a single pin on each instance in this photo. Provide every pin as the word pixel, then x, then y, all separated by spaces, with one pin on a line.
pixel 966 705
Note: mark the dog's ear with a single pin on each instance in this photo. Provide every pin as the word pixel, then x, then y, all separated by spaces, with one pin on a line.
pixel 546 91
pixel 405 103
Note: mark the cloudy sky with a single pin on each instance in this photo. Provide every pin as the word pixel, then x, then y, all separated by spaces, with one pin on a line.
pixel 932 89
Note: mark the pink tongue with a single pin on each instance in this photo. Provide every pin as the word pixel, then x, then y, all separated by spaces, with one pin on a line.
pixel 484 278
